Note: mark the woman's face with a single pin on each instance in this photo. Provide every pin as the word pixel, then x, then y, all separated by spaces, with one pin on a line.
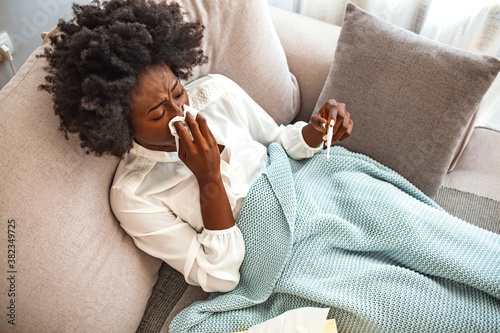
pixel 157 98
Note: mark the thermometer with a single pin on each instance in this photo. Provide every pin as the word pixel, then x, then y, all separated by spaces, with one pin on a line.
pixel 329 136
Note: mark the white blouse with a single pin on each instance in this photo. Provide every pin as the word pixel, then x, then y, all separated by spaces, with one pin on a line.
pixel 156 197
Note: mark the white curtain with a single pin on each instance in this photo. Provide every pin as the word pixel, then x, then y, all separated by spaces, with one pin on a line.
pixel 473 25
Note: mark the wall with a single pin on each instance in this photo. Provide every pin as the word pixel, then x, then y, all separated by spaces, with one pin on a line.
pixel 24 20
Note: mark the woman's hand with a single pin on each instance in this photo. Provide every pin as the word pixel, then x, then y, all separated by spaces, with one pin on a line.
pixel 201 155
pixel 330 113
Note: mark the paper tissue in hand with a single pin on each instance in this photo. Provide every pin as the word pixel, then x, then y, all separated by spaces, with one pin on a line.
pixel 182 119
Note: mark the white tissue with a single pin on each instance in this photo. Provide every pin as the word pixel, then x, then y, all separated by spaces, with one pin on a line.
pixel 301 320
pixel 182 119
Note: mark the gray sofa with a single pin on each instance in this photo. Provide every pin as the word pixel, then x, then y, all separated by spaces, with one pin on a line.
pixel 75 269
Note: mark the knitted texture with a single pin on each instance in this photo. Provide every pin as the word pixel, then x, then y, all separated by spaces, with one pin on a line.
pixel 354 236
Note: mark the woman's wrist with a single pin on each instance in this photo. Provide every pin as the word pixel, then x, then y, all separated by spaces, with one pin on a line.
pixel 215 207
pixel 311 136
pixel 210 179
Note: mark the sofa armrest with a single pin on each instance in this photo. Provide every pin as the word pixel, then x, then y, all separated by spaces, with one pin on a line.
pixel 309 46
pixel 477 169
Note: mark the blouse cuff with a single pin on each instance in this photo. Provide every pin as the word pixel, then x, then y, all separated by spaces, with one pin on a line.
pixel 221 231
pixel 222 247
pixel 219 259
pixel 295 145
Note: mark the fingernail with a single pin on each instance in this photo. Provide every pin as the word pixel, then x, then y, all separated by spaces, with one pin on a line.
pixel 332 122
pixel 324 125
pixel 324 137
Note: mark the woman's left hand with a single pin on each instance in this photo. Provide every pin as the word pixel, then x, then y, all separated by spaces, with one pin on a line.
pixel 330 113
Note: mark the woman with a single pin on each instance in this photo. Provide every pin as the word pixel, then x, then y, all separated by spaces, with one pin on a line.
pixel 350 235
pixel 130 57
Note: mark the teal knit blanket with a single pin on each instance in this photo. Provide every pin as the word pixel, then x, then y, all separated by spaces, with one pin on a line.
pixel 356 237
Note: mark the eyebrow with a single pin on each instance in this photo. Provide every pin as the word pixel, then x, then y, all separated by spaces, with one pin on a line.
pixel 173 88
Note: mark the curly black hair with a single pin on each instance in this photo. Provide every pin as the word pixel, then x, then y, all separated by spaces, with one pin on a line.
pixel 96 58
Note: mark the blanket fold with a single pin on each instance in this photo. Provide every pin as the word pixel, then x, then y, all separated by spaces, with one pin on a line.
pixel 354 236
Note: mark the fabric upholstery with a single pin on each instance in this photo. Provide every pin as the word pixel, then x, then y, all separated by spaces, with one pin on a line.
pixel 168 290
pixel 191 295
pixel 410 98
pixel 309 45
pixel 241 43
pixel 77 271
pixel 480 211
pixel 477 169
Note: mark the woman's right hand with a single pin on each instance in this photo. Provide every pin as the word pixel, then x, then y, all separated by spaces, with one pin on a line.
pixel 201 155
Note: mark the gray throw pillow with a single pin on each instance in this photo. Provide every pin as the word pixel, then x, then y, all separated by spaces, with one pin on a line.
pixel 410 98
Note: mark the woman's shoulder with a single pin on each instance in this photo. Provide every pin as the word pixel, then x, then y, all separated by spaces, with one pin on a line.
pixel 208 89
pixel 212 83
pixel 211 78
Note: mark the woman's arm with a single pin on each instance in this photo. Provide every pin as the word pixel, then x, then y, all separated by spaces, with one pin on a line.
pixel 300 140
pixel 202 157
pixel 215 208
pixel 210 259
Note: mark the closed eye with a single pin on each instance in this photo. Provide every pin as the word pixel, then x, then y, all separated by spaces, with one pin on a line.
pixel 162 114
pixel 180 95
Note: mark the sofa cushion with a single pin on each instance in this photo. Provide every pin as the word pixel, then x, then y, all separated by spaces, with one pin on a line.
pixel 75 268
pixel 411 99
pixel 241 43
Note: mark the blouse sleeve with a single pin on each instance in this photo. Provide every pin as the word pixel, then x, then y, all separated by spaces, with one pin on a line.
pixel 263 128
pixel 210 259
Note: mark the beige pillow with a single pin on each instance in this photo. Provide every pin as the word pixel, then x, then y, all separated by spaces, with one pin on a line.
pixel 241 43
pixel 75 269
pixel 309 45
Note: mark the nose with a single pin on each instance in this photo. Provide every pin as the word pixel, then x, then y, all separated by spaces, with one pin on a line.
pixel 176 107
pixel 179 110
